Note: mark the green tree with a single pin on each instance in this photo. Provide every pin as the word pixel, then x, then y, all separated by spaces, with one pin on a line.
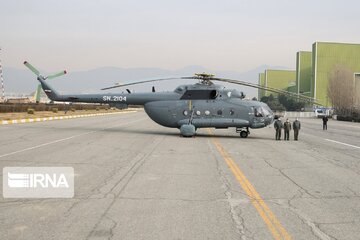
pixel 283 103
pixel 273 103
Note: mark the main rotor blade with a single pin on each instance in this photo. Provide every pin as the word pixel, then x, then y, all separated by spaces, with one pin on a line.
pixel 270 89
pixel 56 75
pixel 32 68
pixel 140 82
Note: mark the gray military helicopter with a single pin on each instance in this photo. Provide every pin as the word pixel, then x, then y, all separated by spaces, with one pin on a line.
pixel 188 107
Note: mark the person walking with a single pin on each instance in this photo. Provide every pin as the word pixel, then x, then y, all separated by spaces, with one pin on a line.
pixel 278 126
pixel 296 127
pixel 325 120
pixel 287 128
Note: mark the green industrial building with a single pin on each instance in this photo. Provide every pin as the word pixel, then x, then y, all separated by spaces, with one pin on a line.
pixel 261 92
pixel 280 79
pixel 303 72
pixel 325 56
pixel 313 70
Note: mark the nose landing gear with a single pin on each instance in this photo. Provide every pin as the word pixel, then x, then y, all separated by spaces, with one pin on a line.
pixel 244 132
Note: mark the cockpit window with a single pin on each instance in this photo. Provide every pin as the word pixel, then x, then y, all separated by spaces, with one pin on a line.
pixel 258 112
pixel 262 112
pixel 266 111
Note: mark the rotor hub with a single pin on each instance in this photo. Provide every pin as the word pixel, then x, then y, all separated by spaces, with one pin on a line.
pixel 204 78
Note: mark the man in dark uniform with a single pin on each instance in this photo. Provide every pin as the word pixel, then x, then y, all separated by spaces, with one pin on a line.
pixel 296 127
pixel 278 126
pixel 287 128
pixel 325 120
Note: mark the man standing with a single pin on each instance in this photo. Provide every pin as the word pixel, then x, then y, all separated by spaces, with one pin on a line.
pixel 287 128
pixel 296 127
pixel 278 126
pixel 325 120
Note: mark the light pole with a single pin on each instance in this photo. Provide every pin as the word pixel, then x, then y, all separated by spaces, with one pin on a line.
pixel 2 80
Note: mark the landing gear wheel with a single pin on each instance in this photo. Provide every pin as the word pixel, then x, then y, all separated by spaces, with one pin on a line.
pixel 244 134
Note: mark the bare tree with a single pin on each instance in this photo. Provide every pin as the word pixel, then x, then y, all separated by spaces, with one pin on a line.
pixel 341 90
pixel 357 95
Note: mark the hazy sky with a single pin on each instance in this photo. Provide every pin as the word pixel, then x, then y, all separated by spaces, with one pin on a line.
pixel 221 35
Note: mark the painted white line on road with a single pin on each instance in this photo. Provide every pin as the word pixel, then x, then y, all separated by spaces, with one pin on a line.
pixel 45 144
pixel 68 138
pixel 349 145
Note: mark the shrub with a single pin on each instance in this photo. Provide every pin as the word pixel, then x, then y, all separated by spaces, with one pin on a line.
pixel 344 118
pixel 30 111
pixel 72 109
pixel 54 110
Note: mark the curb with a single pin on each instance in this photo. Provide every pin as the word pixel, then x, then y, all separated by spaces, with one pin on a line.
pixel 30 120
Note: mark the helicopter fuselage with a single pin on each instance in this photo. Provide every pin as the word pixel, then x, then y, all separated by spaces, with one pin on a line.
pixel 198 104
pixel 210 113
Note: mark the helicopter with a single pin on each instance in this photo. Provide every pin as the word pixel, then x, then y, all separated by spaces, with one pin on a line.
pixel 188 107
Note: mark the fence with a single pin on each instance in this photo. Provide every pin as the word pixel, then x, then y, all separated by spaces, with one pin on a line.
pixel 299 114
pixel 23 107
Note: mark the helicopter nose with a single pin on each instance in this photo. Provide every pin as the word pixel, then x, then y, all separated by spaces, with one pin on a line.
pixel 270 120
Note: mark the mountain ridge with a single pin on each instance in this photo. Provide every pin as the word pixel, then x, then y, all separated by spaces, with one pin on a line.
pixel 92 80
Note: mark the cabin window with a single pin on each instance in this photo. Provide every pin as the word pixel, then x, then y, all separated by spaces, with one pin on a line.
pixel 198 113
pixel 232 112
pixel 179 89
pixel 207 112
pixel 219 112
pixel 185 113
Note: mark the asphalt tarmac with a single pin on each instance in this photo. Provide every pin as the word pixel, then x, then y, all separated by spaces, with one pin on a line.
pixel 135 179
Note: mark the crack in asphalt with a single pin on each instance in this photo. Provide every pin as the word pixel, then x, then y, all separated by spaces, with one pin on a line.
pixel 234 212
pixel 174 199
pixel 288 178
pixel 111 229
pixel 126 179
pixel 306 221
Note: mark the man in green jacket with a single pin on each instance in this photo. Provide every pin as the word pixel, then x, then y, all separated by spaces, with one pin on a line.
pixel 287 128
pixel 296 127
pixel 278 126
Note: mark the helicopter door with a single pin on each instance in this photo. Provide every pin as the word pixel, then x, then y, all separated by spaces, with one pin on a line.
pixel 172 113
pixel 176 110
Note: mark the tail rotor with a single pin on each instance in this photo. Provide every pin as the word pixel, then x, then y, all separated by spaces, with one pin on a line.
pixel 32 68
pixel 41 78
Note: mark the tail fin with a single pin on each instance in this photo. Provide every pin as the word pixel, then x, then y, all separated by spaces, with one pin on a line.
pixel 49 91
